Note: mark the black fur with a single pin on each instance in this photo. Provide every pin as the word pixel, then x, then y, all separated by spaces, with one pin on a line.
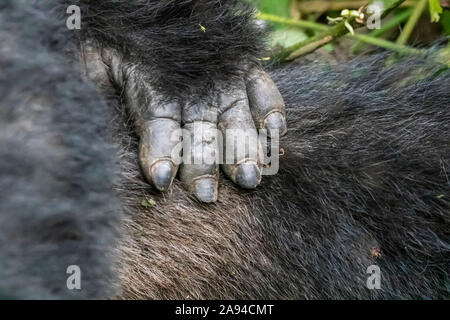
pixel 166 38
pixel 367 168
pixel 364 180
pixel 57 205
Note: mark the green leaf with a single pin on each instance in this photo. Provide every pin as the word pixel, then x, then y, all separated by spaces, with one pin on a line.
pixel 276 7
pixel 148 203
pixel 286 37
pixel 435 10
pixel 329 47
pixel 445 22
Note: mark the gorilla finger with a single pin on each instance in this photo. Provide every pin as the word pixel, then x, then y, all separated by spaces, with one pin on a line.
pixel 200 159
pixel 241 157
pixel 159 129
pixel 266 103
pixel 94 66
pixel 158 142
pixel 157 120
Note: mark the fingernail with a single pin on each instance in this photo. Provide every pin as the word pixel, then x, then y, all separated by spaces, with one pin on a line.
pixel 275 121
pixel 162 174
pixel 206 190
pixel 248 175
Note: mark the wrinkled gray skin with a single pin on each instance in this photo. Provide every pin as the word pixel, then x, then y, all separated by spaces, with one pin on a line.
pixel 251 104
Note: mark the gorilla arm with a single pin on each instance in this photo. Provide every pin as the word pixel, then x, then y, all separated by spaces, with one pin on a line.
pixel 214 96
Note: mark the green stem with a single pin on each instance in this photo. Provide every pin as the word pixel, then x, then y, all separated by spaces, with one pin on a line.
pixel 325 37
pixel 320 27
pixel 313 43
pixel 391 23
pixel 386 44
pixel 418 10
pixel 291 22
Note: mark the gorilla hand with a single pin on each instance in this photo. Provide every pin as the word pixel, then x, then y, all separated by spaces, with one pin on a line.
pixel 232 111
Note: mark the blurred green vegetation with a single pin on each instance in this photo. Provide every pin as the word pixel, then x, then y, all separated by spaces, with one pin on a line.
pixel 277 7
pixel 415 23
pixel 281 36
